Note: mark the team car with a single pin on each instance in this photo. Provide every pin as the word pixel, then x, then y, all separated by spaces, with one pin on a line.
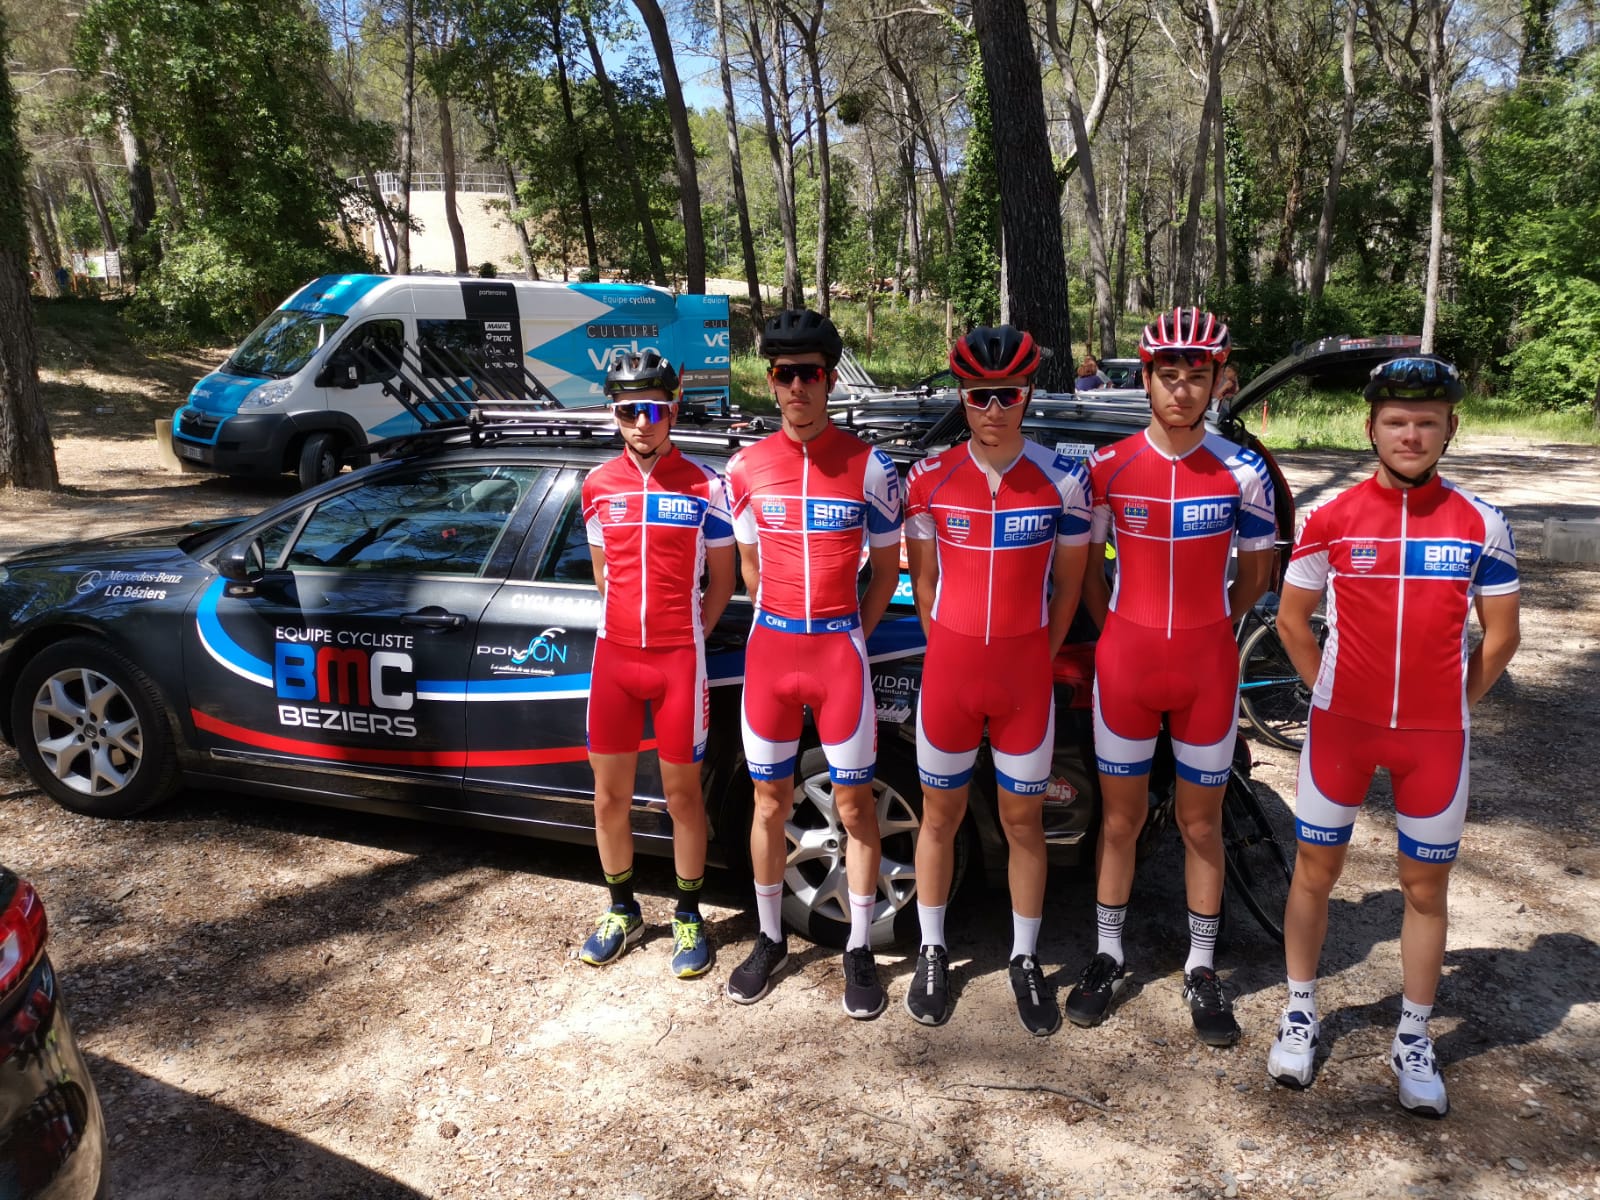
pixel 415 638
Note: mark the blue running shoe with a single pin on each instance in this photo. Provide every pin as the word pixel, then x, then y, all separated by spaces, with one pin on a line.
pixel 691 952
pixel 618 928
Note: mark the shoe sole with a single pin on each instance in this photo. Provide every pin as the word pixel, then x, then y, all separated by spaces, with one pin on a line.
pixel 739 998
pixel 695 974
pixel 1289 1079
pixel 629 940
pixel 1218 1041
pixel 1039 1032
pixel 864 1015
pixel 1084 1020
pixel 933 1020
pixel 1427 1111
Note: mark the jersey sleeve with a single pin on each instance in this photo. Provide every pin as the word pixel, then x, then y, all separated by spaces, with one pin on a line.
pixel 738 490
pixel 1099 497
pixel 1258 519
pixel 1308 566
pixel 882 493
pixel 1497 566
pixel 1072 482
pixel 589 500
pixel 718 527
pixel 920 525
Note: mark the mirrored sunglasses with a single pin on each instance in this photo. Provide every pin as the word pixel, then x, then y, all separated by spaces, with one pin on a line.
pixel 1007 397
pixel 631 410
pixel 1415 372
pixel 787 373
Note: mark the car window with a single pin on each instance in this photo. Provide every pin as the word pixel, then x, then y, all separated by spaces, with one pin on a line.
pixel 568 560
pixel 375 347
pixel 436 520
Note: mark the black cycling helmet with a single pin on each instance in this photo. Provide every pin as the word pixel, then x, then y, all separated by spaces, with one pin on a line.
pixel 1418 377
pixel 641 372
pixel 996 352
pixel 801 331
pixel 1185 331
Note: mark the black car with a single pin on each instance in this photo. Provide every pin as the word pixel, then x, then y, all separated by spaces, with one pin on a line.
pixel 52 1136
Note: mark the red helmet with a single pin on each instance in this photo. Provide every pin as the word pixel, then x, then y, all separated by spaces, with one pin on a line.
pixel 997 353
pixel 1185 330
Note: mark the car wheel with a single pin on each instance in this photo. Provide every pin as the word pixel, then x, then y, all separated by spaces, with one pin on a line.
pixel 92 731
pixel 319 459
pixel 816 899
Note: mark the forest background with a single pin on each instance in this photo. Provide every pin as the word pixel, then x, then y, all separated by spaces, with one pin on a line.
pixel 1301 166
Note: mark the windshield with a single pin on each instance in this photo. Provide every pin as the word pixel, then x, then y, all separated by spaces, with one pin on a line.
pixel 283 343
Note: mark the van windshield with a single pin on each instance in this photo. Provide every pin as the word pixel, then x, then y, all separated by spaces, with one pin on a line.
pixel 283 343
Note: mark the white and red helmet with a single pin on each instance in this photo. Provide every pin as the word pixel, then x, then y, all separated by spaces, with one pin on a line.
pixel 1185 331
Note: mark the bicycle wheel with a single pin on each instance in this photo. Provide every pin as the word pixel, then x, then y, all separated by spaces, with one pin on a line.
pixel 1258 853
pixel 1272 696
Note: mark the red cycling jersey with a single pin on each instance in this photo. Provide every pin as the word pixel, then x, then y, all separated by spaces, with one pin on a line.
pixel 1401 567
pixel 996 538
pixel 654 527
pixel 1175 522
pixel 809 506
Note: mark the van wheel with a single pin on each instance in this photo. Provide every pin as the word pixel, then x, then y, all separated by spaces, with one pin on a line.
pixel 815 898
pixel 319 459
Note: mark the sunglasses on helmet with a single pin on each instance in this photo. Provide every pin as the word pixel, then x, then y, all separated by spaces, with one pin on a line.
pixel 1006 397
pixel 787 373
pixel 1416 372
pixel 651 410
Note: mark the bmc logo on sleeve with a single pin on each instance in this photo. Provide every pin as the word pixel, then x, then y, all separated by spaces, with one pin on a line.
pixel 1197 518
pixel 1441 559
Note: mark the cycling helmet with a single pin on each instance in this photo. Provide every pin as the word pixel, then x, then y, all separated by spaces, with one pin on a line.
pixel 640 372
pixel 994 353
pixel 1185 329
pixel 1419 377
pixel 801 331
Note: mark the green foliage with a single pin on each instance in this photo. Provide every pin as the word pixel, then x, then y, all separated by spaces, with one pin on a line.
pixel 975 273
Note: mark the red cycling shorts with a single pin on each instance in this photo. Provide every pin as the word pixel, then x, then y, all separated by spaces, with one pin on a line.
pixel 787 670
pixel 1006 682
pixel 672 681
pixel 1192 677
pixel 1427 769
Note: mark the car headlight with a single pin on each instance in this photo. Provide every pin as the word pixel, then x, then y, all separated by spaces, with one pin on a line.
pixel 267 395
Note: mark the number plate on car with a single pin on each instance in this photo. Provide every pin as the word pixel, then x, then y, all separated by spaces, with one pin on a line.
pixel 187 451
pixel 1075 449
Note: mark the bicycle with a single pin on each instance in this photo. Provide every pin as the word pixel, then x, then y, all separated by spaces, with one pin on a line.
pixel 1273 699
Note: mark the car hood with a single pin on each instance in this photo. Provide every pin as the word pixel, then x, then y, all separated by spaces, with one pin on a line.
pixel 140 548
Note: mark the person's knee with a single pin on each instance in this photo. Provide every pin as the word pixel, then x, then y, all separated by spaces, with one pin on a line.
pixel 1200 829
pixel 686 805
pixel 773 805
pixel 1316 870
pixel 942 818
pixel 1426 888
pixel 858 810
pixel 611 806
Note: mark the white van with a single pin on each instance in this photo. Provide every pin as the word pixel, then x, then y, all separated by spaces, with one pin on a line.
pixel 306 391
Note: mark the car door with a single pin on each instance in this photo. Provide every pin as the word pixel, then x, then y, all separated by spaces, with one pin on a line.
pixel 343 666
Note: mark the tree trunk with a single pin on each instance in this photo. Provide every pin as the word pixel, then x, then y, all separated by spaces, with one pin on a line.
pixel 108 234
pixel 1341 150
pixel 793 297
pixel 747 245
pixel 1035 265
pixel 682 147
pixel 447 161
pixel 780 97
pixel 919 124
pixel 1119 221
pixel 42 250
pixel 27 459
pixel 580 173
pixel 380 213
pixel 530 269
pixel 141 188
pixel 1284 254
pixel 625 160
pixel 813 56
pixel 408 121
pixel 1436 66
pixel 1183 270
pixel 1219 186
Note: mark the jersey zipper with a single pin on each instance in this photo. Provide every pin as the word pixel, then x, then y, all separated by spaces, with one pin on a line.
pixel 988 599
pixel 1399 614
pixel 805 517
pixel 1172 540
pixel 644 559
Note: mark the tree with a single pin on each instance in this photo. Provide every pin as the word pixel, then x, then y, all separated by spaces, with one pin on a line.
pixel 747 245
pixel 27 457
pixel 682 146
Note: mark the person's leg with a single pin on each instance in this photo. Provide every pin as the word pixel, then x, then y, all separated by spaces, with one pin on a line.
pixel 615 723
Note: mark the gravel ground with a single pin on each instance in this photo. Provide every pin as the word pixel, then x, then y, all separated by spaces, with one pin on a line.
pixel 281 1001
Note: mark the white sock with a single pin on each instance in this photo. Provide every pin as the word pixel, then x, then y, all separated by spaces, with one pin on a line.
pixel 769 909
pixel 1414 1017
pixel 1108 920
pixel 1202 940
pixel 932 922
pixel 861 921
pixel 1025 935
pixel 1303 997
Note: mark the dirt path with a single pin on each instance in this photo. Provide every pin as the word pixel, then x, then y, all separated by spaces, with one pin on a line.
pixel 286 1002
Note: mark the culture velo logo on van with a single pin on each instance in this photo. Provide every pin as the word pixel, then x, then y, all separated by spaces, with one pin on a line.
pixel 545 654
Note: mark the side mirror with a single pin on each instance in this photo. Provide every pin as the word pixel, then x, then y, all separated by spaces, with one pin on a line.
pixel 340 371
pixel 242 562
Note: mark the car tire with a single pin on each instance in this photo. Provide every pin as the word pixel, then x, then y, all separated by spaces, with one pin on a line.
pixel 92 730
pixel 815 899
pixel 319 459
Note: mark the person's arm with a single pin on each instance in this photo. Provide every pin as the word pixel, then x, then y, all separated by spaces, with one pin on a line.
pixel 1067 572
pixel 1501 618
pixel 883 576
pixel 922 561
pixel 719 585
pixel 1253 571
pixel 1096 587
pixel 750 568
pixel 597 555
pixel 1295 606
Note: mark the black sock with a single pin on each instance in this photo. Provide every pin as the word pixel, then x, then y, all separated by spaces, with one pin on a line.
pixel 622 890
pixel 689 895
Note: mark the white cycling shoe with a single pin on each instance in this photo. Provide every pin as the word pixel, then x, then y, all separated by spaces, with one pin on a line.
pixel 1292 1058
pixel 1421 1085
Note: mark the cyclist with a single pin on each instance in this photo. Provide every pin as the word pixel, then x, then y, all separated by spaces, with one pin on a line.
pixel 1178 501
pixel 655 518
pixel 1403 557
pixel 805 501
pixel 990 525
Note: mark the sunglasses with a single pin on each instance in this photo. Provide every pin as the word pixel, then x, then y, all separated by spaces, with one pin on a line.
pixel 1187 358
pixel 651 410
pixel 787 373
pixel 1008 397
pixel 1415 372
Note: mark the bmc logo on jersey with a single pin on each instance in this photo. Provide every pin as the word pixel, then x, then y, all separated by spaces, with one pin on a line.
pixel 824 516
pixel 958 529
pixel 1136 515
pixel 775 511
pixel 674 510
pixel 1197 518
pixel 1029 528
pixel 1448 559
pixel 1363 556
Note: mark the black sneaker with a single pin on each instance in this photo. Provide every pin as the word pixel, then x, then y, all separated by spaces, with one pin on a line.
pixel 1212 1011
pixel 1091 997
pixel 1036 999
pixel 752 979
pixel 864 997
pixel 928 997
